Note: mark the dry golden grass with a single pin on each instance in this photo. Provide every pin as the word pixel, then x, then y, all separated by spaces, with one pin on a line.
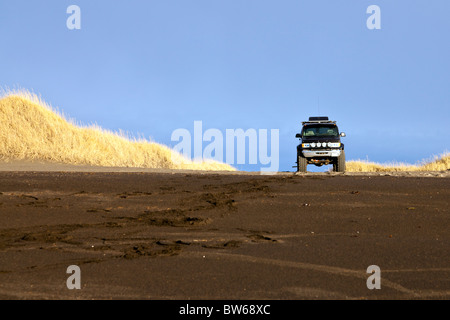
pixel 32 130
pixel 441 163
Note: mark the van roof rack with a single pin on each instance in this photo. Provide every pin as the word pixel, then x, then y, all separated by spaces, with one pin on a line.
pixel 318 120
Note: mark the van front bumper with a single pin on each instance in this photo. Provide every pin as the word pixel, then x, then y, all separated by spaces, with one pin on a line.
pixel 321 153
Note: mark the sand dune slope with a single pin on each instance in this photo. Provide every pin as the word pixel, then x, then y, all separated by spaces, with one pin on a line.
pixel 441 163
pixel 31 130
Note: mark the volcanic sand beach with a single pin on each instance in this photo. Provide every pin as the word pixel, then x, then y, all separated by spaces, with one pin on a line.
pixel 168 234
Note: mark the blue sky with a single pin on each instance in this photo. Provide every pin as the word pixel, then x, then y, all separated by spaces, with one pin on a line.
pixel 150 67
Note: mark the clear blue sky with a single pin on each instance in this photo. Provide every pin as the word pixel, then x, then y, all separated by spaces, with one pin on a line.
pixel 152 66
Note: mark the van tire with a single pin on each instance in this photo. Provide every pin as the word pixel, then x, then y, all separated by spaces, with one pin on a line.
pixel 301 163
pixel 339 164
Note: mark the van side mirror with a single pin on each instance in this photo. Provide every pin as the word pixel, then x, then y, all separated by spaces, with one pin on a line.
pixel 343 134
pixel 298 135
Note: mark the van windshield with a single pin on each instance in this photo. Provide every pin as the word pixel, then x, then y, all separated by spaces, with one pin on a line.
pixel 320 131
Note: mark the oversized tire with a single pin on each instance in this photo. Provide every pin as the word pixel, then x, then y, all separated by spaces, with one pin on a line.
pixel 339 164
pixel 301 163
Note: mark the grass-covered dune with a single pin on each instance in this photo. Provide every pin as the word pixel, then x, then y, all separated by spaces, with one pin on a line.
pixel 441 163
pixel 31 130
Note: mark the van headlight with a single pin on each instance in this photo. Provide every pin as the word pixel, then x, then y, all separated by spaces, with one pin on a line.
pixel 305 145
pixel 313 144
pixel 334 145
